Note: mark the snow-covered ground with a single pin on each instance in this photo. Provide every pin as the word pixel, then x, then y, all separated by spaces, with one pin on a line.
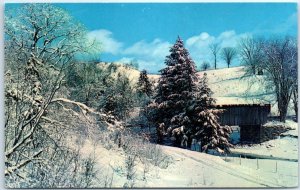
pixel 284 147
pixel 220 173
pixel 194 169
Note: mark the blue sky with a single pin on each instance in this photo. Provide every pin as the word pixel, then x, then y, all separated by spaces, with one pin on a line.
pixel 145 31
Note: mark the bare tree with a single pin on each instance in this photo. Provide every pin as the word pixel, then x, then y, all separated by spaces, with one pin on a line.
pixel 40 43
pixel 250 52
pixel 228 54
pixel 215 48
pixel 280 65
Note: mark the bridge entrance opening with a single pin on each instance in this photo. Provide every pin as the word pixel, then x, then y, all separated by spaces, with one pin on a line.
pixel 235 136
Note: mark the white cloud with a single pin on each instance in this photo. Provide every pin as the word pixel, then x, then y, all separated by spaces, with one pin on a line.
pixel 198 45
pixel 155 49
pixel 199 40
pixel 108 43
pixel 230 38
pixel 149 55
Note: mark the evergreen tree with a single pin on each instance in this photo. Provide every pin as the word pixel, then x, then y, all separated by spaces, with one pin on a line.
pixel 205 127
pixel 176 84
pixel 184 108
pixel 144 86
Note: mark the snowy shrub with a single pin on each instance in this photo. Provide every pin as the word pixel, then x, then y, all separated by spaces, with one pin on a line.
pixel 156 156
pixel 130 163
pixel 69 171
pixel 134 144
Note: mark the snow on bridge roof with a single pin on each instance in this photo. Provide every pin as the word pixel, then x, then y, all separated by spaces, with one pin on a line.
pixel 243 105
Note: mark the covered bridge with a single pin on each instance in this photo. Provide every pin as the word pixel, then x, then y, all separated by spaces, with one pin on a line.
pixel 249 117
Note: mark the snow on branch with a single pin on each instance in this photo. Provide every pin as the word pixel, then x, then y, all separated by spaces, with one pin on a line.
pixel 110 120
pixel 11 169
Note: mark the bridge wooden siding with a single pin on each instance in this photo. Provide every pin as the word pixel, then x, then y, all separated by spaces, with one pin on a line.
pixel 249 117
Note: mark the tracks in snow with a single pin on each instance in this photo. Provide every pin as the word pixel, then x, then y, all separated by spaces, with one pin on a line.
pixel 220 166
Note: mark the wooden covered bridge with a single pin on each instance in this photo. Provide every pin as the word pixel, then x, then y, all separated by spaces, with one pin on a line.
pixel 249 117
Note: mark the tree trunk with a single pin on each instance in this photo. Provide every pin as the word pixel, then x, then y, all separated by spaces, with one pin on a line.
pixel 282 116
pixel 282 107
pixel 295 102
pixel 296 110
pixel 215 63
pixel 253 69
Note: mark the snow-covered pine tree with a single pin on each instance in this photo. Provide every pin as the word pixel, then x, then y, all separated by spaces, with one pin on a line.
pixel 144 86
pixel 205 127
pixel 203 96
pixel 175 87
pixel 184 108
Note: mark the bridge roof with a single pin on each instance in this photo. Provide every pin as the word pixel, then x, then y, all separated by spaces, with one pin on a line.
pixel 243 105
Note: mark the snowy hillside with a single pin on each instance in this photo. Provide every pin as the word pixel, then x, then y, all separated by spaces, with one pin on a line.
pixel 231 86
pixel 131 73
